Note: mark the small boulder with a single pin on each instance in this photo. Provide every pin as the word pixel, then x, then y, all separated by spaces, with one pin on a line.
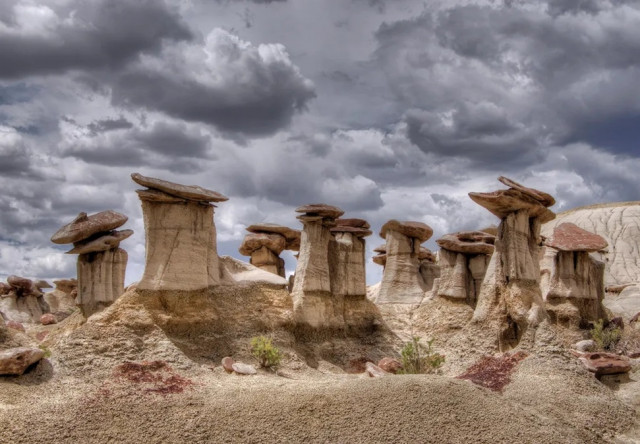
pixel 588 345
pixel 605 363
pixel 243 369
pixel 227 364
pixel 374 371
pixel 15 325
pixel 390 365
pixel 15 361
pixel 48 319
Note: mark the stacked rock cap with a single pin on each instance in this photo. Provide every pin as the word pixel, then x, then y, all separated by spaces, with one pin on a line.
pixel 426 255
pixel 104 242
pixel 570 237
pixel 84 227
pixel 292 237
pixel 473 242
pixel 254 241
pixel 381 248
pixel 517 197
pixel 41 283
pixel 187 192
pixel 20 283
pixel 320 210
pixel 491 229
pixel 357 227
pixel 380 259
pixel 66 285
pixel 417 230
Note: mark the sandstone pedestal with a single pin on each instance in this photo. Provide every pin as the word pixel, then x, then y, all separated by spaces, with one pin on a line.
pixel 463 262
pixel 572 281
pixel 180 235
pixel 402 281
pixel 265 243
pixel 101 263
pixel 312 297
pixel 510 295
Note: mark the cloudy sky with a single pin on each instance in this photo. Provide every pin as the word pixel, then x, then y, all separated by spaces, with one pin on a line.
pixel 387 109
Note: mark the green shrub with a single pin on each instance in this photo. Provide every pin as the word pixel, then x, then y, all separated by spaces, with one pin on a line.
pixel 45 349
pixel 265 352
pixel 418 358
pixel 605 338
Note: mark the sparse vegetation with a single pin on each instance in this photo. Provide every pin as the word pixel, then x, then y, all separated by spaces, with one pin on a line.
pixel 265 352
pixel 607 337
pixel 45 349
pixel 418 358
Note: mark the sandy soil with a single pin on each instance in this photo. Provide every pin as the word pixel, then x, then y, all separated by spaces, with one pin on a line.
pixel 85 393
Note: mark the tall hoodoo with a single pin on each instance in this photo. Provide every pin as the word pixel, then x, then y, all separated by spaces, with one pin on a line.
pixel 348 265
pixel 402 281
pixel 510 293
pixel 180 233
pixel 101 263
pixel 311 292
pixel 572 281
pixel 265 243
pixel 463 261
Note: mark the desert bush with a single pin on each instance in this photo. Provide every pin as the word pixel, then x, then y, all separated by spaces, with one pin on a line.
pixel 418 358
pixel 605 338
pixel 265 352
pixel 45 349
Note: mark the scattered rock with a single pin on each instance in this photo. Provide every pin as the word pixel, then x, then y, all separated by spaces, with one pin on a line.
pixel 48 319
pixel 15 361
pixel 41 335
pixel 605 363
pixel 243 369
pixel 374 371
pixel 588 345
pixel 15 325
pixel 390 365
pixel 227 364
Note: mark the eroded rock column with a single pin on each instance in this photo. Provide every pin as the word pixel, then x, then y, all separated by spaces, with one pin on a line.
pixel 402 281
pixel 572 281
pixel 101 263
pixel 266 242
pixel 348 276
pixel 312 286
pixel 463 260
pixel 180 235
pixel 510 295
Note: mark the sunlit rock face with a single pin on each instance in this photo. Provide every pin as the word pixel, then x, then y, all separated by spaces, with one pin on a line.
pixel 402 280
pixel 510 295
pixel 180 235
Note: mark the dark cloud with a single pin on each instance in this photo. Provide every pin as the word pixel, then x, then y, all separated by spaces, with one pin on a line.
pixel 162 145
pixel 228 83
pixel 96 34
pixel 101 126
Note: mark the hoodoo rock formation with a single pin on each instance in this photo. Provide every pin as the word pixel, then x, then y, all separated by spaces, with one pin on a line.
pixel 348 264
pixel 21 301
pixel 265 243
pixel 572 281
pixel 181 252
pixel 61 299
pixel 510 295
pixel 463 261
pixel 312 298
pixel 402 281
pixel 101 263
